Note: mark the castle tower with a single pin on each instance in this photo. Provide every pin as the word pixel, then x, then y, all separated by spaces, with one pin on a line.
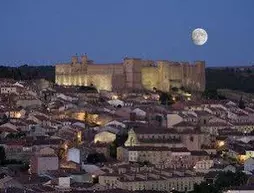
pixel 74 59
pixel 185 74
pixel 84 59
pixel 132 70
pixel 200 75
pixel 164 75
pixel 84 63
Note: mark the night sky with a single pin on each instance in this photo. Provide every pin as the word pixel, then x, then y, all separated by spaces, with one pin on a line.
pixel 49 31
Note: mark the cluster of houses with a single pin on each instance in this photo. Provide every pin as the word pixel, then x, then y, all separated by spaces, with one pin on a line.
pixel 54 129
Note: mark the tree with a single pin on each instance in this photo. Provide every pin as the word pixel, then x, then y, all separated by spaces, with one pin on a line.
pixel 241 103
pixel 146 163
pixel 166 99
pixel 96 158
pixel 25 167
pixel 230 79
pixel 3 119
pixel 2 155
pixel 95 180
pixel 249 71
pixel 223 181
pixel 204 187
pixel 229 179
pixel 16 135
pixel 119 141
pixel 182 88
pixel 113 149
pixel 174 89
pixel 212 94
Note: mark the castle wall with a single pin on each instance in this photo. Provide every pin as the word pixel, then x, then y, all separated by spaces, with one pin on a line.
pixel 200 68
pixel 105 69
pixel 100 81
pixel 194 76
pixel 150 77
pixel 118 82
pixel 128 71
pixel 106 76
pixel 134 73
pixel 175 71
pixel 164 75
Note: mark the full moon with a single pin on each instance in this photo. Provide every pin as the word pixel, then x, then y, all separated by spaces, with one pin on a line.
pixel 199 36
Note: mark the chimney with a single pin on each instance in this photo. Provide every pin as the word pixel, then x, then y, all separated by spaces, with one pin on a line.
pixel 132 116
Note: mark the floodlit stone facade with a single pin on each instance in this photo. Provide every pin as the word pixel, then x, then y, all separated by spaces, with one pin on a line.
pixel 132 73
pixel 144 178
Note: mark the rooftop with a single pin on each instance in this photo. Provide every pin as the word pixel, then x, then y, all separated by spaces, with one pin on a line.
pixel 147 148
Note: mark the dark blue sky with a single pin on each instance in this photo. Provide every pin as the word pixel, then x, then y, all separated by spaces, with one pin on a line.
pixel 50 31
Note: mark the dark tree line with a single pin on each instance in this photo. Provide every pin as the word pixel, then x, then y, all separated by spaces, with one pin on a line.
pixel 212 94
pixel 215 78
pixel 118 142
pixel 224 181
pixel 95 158
pixel 26 72
pixel 165 98
pixel 230 78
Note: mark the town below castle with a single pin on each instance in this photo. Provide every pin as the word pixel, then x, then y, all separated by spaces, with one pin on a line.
pixel 139 125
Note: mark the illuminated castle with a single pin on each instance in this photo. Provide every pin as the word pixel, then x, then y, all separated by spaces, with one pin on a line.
pixel 132 73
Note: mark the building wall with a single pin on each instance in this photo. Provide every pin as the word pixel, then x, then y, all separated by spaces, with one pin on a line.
pixel 195 141
pixel 8 90
pixel 82 178
pixel 180 184
pixel 133 73
pixel 64 182
pixel 28 103
pixel 44 163
pixel 249 165
pixel 172 183
pixel 150 77
pixel 122 154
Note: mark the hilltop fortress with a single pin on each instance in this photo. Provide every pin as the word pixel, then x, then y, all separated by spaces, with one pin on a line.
pixel 131 74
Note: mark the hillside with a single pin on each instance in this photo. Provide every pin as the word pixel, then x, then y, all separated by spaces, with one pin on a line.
pixel 26 72
pixel 229 78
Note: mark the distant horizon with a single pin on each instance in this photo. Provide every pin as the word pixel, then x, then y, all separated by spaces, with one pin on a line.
pixel 37 63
